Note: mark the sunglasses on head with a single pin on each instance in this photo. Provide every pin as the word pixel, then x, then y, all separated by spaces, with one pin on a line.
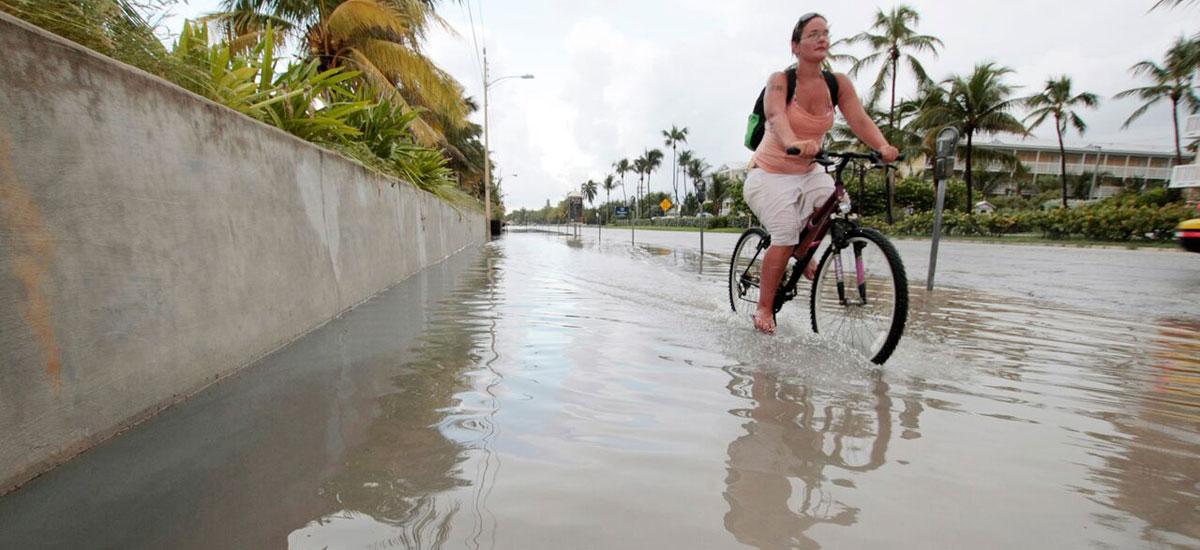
pixel 804 19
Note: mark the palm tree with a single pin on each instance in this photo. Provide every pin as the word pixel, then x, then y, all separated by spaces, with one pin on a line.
pixel 621 167
pixel 675 136
pixel 588 188
pixel 1057 100
pixel 653 160
pixel 646 165
pixel 608 185
pixel 894 36
pixel 381 39
pixel 1172 80
pixel 639 166
pixel 681 165
pixel 718 188
pixel 695 170
pixel 1170 3
pixel 978 103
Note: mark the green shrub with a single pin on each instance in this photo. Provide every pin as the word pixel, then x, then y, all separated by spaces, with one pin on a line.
pixel 1101 222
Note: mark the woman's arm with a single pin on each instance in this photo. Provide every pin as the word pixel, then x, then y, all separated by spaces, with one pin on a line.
pixel 861 123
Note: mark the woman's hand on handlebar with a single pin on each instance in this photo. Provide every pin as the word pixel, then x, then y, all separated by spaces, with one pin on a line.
pixel 804 148
pixel 889 154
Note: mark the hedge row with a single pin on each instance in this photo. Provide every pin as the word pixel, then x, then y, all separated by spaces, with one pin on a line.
pixel 1099 222
pixel 693 221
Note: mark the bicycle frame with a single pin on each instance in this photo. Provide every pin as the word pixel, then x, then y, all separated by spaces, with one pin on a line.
pixel 824 220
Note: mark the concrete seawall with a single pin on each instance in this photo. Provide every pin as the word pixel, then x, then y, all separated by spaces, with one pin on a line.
pixel 152 242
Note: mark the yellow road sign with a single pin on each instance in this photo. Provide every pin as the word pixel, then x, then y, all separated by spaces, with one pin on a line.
pixel 665 204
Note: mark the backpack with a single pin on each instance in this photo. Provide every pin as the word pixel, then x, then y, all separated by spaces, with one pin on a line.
pixel 757 125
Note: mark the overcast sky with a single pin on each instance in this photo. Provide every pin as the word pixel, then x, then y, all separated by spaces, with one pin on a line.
pixel 610 75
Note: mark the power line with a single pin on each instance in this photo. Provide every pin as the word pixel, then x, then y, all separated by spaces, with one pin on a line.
pixel 474 40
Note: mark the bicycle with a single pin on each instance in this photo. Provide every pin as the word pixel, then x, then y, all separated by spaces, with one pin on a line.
pixel 870 317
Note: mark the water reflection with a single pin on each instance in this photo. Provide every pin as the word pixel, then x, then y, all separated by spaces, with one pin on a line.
pixel 1150 470
pixel 552 393
pixel 778 484
pixel 391 491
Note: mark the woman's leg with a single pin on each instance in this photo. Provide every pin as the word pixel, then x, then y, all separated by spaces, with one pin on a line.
pixel 817 187
pixel 774 262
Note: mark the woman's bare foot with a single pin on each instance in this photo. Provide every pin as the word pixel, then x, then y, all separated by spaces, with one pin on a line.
pixel 764 321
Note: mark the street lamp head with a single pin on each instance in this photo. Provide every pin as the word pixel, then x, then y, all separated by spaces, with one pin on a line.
pixel 527 76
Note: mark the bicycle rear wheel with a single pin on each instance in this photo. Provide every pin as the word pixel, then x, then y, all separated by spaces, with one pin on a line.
pixel 860 295
pixel 745 269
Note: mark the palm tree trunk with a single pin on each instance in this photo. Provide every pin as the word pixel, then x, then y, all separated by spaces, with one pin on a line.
pixel 1175 120
pixel 967 173
pixel 892 109
pixel 1062 161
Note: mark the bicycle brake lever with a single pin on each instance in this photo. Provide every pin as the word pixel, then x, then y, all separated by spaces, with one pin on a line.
pixel 822 158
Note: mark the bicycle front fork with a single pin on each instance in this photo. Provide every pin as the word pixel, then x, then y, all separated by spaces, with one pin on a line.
pixel 860 275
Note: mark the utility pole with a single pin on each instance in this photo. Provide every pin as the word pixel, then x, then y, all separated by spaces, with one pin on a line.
pixel 487 155
pixel 487 149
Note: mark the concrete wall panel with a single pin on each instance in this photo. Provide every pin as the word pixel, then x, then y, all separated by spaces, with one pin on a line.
pixel 152 241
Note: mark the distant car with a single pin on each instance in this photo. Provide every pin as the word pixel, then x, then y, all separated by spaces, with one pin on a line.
pixel 706 214
pixel 1188 233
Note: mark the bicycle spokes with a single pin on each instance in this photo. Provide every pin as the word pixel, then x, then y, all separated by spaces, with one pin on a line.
pixel 864 311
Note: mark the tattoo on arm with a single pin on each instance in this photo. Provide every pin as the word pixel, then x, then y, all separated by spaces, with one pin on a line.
pixel 776 88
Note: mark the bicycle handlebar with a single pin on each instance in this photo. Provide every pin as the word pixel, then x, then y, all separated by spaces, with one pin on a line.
pixel 830 158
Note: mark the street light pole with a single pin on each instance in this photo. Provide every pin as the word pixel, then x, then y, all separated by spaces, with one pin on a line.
pixel 487 149
pixel 487 156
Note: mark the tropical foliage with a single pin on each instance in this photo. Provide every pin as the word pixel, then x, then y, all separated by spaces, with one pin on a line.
pixel 978 103
pixel 1172 80
pixel 1103 222
pixel 334 100
pixel 381 39
pixel 673 138
pixel 891 37
pixel 1057 100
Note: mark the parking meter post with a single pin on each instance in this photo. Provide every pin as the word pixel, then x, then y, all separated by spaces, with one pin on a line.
pixel 937 228
pixel 943 169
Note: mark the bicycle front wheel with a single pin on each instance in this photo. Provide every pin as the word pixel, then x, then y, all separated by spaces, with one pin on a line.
pixel 860 295
pixel 745 269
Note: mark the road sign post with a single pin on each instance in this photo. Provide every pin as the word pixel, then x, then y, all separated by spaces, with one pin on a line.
pixel 700 196
pixel 943 169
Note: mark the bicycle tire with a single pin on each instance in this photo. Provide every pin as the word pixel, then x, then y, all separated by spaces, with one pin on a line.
pixel 740 263
pixel 884 294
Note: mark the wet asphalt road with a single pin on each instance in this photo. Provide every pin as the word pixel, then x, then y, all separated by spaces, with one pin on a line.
pixel 555 392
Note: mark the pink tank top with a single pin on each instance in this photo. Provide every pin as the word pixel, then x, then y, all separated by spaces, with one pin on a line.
pixel 770 154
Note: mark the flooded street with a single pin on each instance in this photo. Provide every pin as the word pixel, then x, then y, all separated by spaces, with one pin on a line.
pixel 554 392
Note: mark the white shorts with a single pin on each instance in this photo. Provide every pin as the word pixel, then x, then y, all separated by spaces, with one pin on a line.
pixel 783 202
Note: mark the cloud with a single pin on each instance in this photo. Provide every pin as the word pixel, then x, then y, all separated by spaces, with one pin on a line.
pixel 612 74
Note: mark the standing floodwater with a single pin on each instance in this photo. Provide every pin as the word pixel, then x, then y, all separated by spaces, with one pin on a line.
pixel 554 392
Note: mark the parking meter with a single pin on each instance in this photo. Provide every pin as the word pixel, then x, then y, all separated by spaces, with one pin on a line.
pixel 945 148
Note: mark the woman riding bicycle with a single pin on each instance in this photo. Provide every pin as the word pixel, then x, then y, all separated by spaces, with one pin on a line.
pixel 783 189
